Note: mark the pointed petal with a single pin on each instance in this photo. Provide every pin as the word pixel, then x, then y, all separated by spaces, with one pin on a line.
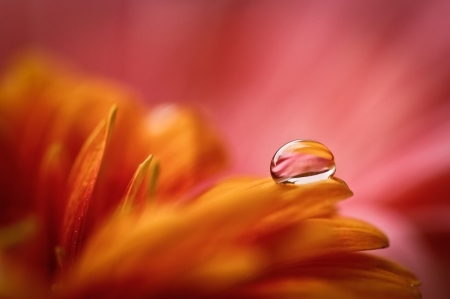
pixel 354 235
pixel 83 178
pixel 141 186
pixel 363 281
pixel 323 236
pixel 371 261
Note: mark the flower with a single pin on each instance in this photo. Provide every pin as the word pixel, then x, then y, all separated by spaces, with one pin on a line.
pixel 47 113
pixel 243 238
pixel 237 240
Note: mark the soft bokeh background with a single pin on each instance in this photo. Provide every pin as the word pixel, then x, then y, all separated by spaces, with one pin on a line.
pixel 370 79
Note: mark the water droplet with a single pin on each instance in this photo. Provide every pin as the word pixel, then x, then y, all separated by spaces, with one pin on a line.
pixel 302 161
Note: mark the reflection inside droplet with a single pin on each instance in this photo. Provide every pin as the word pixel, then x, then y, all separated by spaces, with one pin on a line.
pixel 301 162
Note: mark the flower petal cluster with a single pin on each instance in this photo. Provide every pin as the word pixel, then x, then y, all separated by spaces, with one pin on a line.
pixel 109 220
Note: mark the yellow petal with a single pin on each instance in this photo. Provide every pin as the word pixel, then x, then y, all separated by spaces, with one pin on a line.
pixel 142 185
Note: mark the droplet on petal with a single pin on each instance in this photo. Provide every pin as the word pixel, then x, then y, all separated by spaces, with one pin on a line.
pixel 302 161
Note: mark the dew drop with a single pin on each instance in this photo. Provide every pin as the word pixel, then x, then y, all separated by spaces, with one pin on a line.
pixel 302 161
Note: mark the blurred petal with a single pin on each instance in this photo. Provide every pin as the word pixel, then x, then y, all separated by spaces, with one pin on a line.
pixel 295 288
pixel 18 282
pixel 141 186
pixel 82 181
pixel 181 138
pixel 209 231
pixel 361 280
pixel 17 233
pixel 373 261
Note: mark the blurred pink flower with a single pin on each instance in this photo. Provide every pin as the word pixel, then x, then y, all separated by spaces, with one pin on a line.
pixel 368 79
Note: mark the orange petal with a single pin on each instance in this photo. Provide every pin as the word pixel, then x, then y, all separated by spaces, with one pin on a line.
pixel 299 242
pixel 24 80
pixel 247 202
pixel 322 236
pixel 189 149
pixel 184 255
pixel 223 269
pixel 371 261
pixel 83 178
pixel 362 280
pixel 176 242
pixel 354 235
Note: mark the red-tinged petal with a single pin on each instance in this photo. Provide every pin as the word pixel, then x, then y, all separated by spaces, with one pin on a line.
pixel 82 179
pixel 51 200
pixel 371 261
pixel 52 180
pixel 12 204
pixel 18 281
pixel 22 248
pixel 290 288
